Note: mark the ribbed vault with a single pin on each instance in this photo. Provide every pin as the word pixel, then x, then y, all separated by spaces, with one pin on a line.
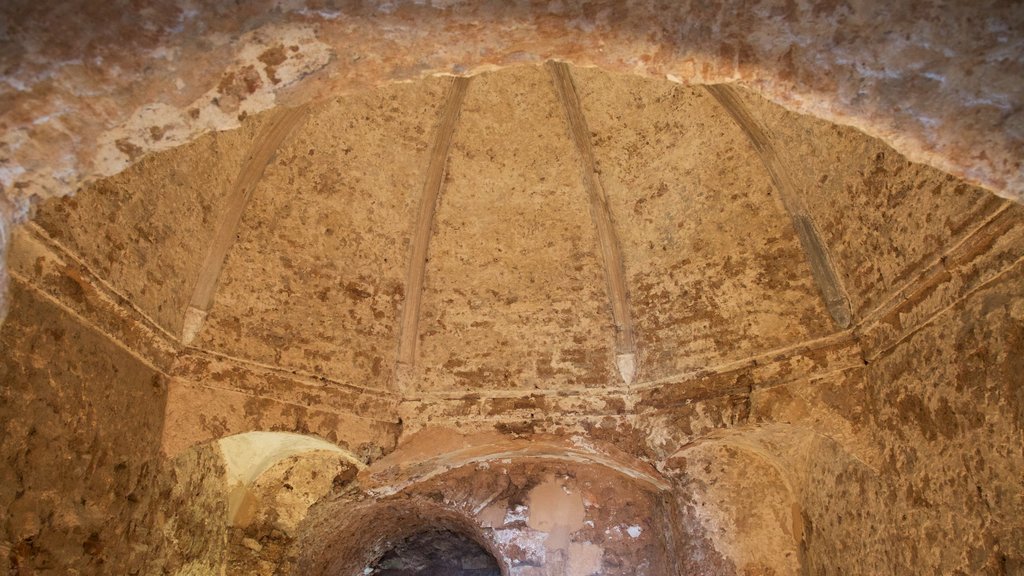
pixel 536 230
pixel 553 274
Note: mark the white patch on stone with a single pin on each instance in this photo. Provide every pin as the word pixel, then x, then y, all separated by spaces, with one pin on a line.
pixel 517 514
pixel 634 531
pixel 179 127
pixel 9 175
pixel 248 455
pixel 532 543
pixel 194 320
pixel 325 14
pixel 626 364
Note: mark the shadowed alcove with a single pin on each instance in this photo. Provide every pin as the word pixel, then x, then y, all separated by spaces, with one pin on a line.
pixel 435 551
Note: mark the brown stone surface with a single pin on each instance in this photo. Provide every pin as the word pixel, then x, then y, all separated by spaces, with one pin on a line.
pixel 198 413
pixel 192 515
pixel 80 422
pixel 980 259
pixel 89 89
pixel 514 294
pixel 541 517
pixel 883 218
pixel 945 406
pixel 766 434
pixel 713 265
pixel 35 259
pixel 261 535
pixel 735 512
pixel 159 217
pixel 316 278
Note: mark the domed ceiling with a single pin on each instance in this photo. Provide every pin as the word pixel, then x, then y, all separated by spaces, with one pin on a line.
pixel 526 233
pixel 733 338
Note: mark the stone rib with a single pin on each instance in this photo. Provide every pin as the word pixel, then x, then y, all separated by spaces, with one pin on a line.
pixel 818 257
pixel 259 157
pixel 434 181
pixel 611 253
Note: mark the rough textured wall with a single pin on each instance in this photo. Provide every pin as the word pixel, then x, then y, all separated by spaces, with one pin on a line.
pixel 914 408
pixel 926 476
pixel 946 407
pixel 714 268
pixel 81 420
pixel 514 295
pixel 272 507
pixel 210 399
pixel 82 482
pixel 146 230
pixel 736 513
pixel 325 240
pixel 191 516
pixel 200 66
pixel 882 218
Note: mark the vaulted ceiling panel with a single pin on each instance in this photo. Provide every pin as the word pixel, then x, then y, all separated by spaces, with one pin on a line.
pixel 145 231
pixel 883 217
pixel 515 294
pixel 316 278
pixel 715 270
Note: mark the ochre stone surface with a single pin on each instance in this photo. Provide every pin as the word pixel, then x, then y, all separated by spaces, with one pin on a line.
pixel 713 265
pixel 262 532
pixel 83 487
pixel 883 218
pixel 80 423
pixel 325 238
pixel 945 407
pixel 727 485
pixel 530 311
pixel 152 248
pixel 542 518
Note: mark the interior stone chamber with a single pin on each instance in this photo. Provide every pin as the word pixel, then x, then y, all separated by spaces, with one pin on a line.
pixel 512 289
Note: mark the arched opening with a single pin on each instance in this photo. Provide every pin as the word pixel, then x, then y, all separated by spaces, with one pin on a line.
pixel 545 512
pixel 435 551
pixel 357 533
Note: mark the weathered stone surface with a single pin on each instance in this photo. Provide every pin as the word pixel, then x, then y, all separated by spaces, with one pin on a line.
pixel 946 408
pixel 685 188
pixel 977 261
pixel 37 260
pixel 79 433
pixel 882 217
pixel 261 534
pixel 159 218
pixel 539 517
pixel 514 295
pixel 735 512
pixel 324 242
pixel 197 413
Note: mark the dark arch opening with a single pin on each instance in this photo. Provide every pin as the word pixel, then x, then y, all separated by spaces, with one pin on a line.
pixel 436 552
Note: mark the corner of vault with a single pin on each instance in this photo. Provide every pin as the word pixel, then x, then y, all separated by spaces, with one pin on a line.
pixel 197 413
